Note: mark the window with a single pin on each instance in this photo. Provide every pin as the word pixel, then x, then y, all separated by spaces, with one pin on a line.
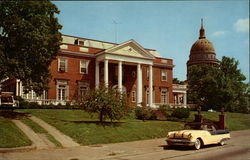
pixel 62 90
pixel 164 75
pixel 164 92
pixel 62 64
pixel 133 96
pixel 84 66
pixel 81 43
pixel 83 90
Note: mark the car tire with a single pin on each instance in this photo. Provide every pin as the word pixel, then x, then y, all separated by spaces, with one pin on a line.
pixel 222 143
pixel 197 144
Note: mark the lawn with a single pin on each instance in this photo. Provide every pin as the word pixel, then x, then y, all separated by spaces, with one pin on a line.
pixel 10 135
pixel 86 130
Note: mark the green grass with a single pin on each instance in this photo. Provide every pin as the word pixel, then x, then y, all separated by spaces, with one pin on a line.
pixel 38 129
pixel 86 130
pixel 11 136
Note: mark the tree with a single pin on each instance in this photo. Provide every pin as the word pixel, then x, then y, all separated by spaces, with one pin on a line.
pixel 29 41
pixel 106 102
pixel 211 87
pixel 177 81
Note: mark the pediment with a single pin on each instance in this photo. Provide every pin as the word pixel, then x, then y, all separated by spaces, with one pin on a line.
pixel 130 48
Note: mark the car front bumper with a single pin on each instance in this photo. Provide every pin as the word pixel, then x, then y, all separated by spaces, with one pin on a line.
pixel 179 142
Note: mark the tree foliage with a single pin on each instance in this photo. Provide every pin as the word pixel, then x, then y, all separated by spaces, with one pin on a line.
pixel 177 81
pixel 107 102
pixel 29 41
pixel 212 87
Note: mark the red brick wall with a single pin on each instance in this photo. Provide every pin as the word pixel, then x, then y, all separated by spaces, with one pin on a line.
pixel 158 83
pixel 129 81
pixel 72 75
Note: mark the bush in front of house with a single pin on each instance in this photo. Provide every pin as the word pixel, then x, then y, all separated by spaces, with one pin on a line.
pixel 165 110
pixel 181 113
pixel 145 113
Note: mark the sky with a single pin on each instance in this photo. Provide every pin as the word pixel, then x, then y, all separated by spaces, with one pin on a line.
pixel 170 27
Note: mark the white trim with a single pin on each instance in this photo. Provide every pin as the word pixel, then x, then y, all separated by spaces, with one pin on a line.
pixel 132 43
pixel 128 59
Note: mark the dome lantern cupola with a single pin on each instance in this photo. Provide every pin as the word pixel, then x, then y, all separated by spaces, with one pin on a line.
pixel 202 31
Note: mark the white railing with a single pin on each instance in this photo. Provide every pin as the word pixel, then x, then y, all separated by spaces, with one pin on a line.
pixel 179 86
pixel 47 101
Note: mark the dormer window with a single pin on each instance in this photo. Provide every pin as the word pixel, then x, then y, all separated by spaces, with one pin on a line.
pixel 79 42
pixel 76 42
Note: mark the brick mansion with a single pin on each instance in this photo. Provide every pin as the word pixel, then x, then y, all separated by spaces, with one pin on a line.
pixel 83 64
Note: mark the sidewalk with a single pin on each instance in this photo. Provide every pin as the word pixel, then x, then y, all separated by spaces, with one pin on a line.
pixel 36 140
pixel 66 141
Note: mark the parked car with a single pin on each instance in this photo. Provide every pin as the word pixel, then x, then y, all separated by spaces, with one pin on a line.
pixel 7 99
pixel 198 134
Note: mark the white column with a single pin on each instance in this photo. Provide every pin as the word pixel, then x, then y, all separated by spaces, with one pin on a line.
pixel 185 99
pixel 139 85
pixel 150 97
pixel 97 74
pixel 120 76
pixel 21 89
pixel 106 72
pixel 17 87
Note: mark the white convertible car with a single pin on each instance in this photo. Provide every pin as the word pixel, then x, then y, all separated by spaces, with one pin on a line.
pixel 197 135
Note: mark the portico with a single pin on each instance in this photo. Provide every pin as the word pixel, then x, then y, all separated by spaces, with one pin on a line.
pixel 128 53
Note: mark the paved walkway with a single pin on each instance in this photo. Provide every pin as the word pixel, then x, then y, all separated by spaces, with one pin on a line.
pixel 36 140
pixel 60 137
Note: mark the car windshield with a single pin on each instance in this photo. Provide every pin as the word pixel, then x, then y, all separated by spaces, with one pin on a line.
pixel 199 126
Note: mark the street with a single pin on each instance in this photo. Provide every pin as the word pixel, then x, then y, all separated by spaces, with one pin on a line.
pixel 238 148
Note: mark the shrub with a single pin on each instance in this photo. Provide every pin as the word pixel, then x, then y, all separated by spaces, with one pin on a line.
pixel 153 115
pixel 164 109
pixel 34 105
pixel 181 113
pixel 143 113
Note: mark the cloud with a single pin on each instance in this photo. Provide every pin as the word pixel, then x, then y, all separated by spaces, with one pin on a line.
pixel 242 25
pixel 219 34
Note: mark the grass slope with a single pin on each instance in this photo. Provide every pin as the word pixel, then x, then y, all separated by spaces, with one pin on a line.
pixel 11 136
pixel 86 130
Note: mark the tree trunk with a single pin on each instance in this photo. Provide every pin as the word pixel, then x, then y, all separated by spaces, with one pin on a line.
pixel 101 117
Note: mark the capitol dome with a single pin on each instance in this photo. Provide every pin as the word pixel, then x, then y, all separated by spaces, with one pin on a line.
pixel 202 51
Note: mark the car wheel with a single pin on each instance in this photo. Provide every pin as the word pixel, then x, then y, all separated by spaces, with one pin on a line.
pixel 197 144
pixel 222 142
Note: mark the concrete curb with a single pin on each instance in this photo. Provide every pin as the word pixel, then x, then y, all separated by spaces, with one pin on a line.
pixel 18 149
